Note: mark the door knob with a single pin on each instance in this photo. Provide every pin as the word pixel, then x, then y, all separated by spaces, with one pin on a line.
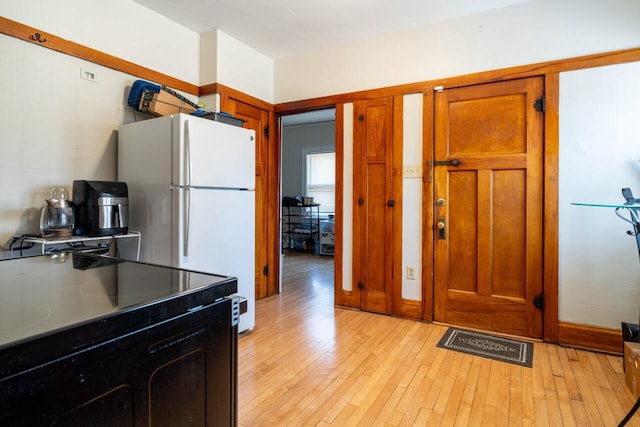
pixel 441 225
pixel 441 202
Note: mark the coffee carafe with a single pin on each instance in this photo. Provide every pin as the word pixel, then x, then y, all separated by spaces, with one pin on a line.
pixel 57 218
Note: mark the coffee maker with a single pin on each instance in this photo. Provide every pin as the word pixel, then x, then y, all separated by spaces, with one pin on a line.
pixel 102 208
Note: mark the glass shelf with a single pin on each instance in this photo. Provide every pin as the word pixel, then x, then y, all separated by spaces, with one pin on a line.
pixel 634 215
pixel 609 205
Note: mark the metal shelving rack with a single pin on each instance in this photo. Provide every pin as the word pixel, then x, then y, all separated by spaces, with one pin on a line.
pixel 300 223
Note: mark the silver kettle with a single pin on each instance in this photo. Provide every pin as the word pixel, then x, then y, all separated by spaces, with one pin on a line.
pixel 57 218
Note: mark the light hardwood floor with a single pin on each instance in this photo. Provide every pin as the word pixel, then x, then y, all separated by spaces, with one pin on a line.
pixel 310 364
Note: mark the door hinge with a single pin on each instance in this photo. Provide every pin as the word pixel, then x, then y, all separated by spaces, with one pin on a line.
pixel 538 302
pixel 265 270
pixel 540 104
pixel 266 131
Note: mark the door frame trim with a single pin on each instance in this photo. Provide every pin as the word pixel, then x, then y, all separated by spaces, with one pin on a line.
pixel 550 224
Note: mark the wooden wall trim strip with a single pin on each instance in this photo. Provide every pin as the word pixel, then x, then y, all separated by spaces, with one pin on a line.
pixel 50 41
pixel 411 309
pixel 326 101
pixel 347 299
pixel 397 194
pixel 428 126
pixel 24 32
pixel 590 337
pixel 522 71
pixel 541 68
pixel 215 88
pixel 551 230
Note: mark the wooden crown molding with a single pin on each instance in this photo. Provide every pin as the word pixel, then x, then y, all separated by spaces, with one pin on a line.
pixel 50 41
pixel 523 71
pixel 215 88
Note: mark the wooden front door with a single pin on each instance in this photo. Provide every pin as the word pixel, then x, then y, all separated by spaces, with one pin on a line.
pixel 373 208
pixel 489 206
pixel 258 120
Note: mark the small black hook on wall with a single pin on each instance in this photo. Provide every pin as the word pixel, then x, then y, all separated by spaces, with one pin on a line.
pixel 38 38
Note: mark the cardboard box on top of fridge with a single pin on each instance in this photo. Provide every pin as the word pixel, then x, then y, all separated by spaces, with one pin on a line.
pixel 163 103
pixel 632 367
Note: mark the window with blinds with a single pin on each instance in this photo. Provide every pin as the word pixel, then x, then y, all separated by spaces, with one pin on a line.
pixel 321 180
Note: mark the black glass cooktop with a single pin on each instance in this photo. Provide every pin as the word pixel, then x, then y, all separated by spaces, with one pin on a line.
pixel 46 294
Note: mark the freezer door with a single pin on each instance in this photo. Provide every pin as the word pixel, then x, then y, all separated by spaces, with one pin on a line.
pixel 213 154
pixel 215 233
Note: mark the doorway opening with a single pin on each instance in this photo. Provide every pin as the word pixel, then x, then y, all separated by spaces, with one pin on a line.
pixel 308 178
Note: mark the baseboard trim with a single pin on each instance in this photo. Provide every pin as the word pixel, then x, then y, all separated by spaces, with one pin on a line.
pixel 590 337
pixel 411 309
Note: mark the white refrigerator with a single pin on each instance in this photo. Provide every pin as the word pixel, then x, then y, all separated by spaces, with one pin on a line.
pixel 192 196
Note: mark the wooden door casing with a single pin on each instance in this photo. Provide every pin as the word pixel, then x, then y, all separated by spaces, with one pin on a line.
pixel 488 267
pixel 373 216
pixel 257 119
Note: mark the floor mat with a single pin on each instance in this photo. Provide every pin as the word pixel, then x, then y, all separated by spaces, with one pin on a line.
pixel 498 348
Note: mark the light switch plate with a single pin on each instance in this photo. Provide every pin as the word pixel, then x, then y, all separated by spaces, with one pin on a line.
pixel 412 171
pixel 88 75
pixel 411 272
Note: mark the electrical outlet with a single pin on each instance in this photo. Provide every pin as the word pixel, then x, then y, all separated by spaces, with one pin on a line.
pixel 88 75
pixel 411 272
pixel 412 171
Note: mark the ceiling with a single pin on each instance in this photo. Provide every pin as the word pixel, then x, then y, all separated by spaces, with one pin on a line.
pixel 309 117
pixel 280 28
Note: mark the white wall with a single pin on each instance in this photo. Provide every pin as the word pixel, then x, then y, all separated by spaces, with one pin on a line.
pixel 54 128
pixel 599 267
pixel 243 68
pixel 412 197
pixel 227 61
pixel 529 32
pixel 121 28
pixel 347 198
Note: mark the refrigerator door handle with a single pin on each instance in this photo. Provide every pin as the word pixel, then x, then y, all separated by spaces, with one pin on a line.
pixel 187 153
pixel 187 218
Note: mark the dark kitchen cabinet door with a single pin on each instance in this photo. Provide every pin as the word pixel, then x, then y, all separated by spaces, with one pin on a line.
pixel 177 373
